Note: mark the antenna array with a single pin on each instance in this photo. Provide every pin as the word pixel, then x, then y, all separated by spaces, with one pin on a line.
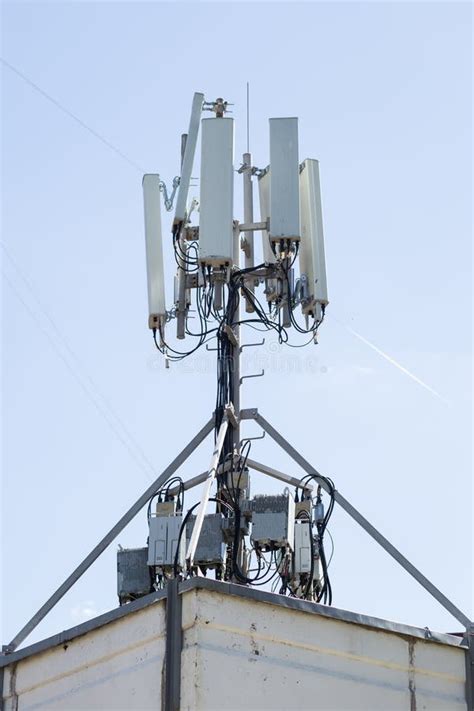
pixel 292 271
pixel 285 533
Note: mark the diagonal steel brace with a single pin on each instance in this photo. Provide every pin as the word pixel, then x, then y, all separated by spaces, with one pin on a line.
pixel 109 537
pixel 363 522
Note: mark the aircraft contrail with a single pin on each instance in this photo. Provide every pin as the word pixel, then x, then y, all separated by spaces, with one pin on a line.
pixel 391 360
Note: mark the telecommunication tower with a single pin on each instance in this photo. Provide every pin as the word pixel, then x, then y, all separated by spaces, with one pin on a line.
pixel 249 540
pixel 275 535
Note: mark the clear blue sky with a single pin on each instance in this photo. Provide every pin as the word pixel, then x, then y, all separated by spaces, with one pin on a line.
pixel 383 93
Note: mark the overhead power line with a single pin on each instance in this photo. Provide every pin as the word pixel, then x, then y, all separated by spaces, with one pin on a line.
pixel 76 369
pixel 71 115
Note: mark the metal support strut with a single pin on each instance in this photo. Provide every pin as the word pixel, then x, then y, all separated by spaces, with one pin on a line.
pixel 371 530
pixel 174 644
pixel 206 492
pixel 209 478
pixel 109 537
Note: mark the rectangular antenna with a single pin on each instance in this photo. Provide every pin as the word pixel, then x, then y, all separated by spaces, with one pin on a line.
pixel 271 285
pixel 216 232
pixel 188 158
pixel 284 180
pixel 154 250
pixel 311 253
pixel 264 196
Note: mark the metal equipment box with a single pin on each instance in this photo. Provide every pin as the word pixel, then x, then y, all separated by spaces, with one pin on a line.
pixel 133 574
pixel 163 540
pixel 211 548
pixel 273 521
pixel 302 559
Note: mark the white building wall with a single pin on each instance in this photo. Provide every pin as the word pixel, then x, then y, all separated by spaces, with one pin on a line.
pixel 240 650
pixel 242 654
pixel 117 666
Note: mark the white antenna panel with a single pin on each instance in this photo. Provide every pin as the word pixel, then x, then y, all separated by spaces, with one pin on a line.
pixel 284 179
pixel 188 158
pixel 264 196
pixel 154 249
pixel 216 235
pixel 311 252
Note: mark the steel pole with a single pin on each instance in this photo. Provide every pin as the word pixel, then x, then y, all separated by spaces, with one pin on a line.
pixel 174 646
pixel 236 354
pixel 249 261
pixel 181 310
pixel 181 313
pixel 248 219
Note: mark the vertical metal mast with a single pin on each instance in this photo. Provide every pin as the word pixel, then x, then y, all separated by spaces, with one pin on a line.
pixel 236 354
pixel 248 218
pixel 181 310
